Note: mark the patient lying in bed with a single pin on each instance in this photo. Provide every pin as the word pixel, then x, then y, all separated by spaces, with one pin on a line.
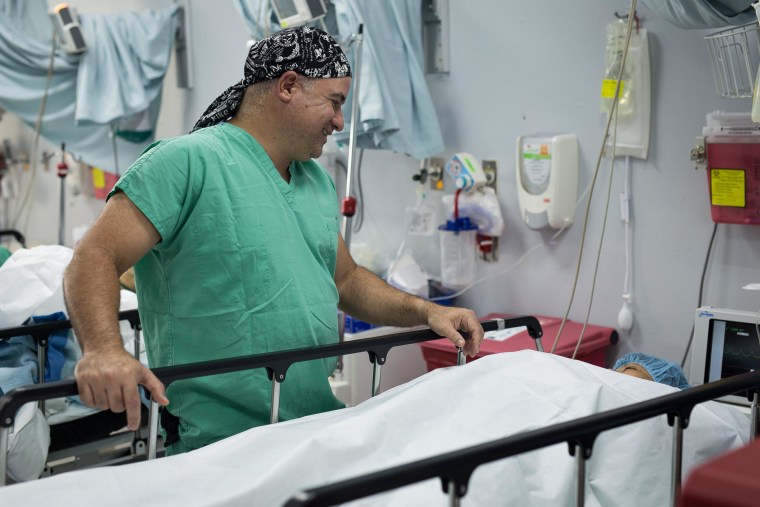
pixel 444 410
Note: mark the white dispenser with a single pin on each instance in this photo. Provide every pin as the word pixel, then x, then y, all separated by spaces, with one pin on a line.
pixel 547 179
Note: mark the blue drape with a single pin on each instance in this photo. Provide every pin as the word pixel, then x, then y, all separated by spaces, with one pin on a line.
pixel 116 82
pixel 396 111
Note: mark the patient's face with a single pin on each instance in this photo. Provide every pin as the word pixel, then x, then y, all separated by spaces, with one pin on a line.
pixel 635 370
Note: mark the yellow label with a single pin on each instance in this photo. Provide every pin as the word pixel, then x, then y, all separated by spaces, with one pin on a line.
pixel 608 88
pixel 98 178
pixel 727 187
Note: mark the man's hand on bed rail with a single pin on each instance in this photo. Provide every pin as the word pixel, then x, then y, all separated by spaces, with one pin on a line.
pixel 456 324
pixel 108 380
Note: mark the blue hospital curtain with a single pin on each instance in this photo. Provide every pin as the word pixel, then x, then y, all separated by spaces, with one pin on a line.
pixel 115 84
pixel 704 13
pixel 396 111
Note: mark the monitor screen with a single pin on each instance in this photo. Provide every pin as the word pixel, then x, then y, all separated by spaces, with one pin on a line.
pixel 725 344
pixel 732 349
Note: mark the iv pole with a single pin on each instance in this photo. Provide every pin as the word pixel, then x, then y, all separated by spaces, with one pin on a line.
pixel 348 205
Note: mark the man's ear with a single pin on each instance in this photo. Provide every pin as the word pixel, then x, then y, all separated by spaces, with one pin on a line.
pixel 286 84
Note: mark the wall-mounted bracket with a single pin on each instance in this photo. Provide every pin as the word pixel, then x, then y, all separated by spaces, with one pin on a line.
pixel 435 36
pixel 489 168
pixel 698 153
pixel 435 172
pixel 182 47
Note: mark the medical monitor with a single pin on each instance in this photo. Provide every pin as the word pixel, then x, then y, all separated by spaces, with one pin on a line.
pixel 298 12
pixel 725 344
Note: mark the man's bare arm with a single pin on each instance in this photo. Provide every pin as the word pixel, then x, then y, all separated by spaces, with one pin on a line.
pixel 107 376
pixel 366 296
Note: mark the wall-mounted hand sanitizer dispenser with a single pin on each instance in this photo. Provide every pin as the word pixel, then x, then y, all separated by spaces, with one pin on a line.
pixel 547 179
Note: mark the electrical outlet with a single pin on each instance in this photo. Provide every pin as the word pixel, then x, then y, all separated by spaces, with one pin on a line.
pixel 489 167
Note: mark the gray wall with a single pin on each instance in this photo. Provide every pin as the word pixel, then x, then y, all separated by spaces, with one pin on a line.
pixel 534 66
pixel 537 68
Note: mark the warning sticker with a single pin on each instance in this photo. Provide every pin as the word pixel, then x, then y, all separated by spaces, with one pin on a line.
pixel 727 187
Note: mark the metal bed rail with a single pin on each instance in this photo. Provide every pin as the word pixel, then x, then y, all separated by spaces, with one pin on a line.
pixel 455 468
pixel 40 333
pixel 16 235
pixel 276 364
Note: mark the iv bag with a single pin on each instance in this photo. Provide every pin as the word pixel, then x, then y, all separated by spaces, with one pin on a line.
pixel 616 32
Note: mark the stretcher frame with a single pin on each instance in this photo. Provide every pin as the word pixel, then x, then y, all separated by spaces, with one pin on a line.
pixel 455 468
pixel 40 333
pixel 276 364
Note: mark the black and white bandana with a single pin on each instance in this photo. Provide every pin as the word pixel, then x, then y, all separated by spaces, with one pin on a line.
pixel 306 50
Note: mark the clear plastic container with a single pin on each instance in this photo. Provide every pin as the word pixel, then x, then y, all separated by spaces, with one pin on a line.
pixel 458 252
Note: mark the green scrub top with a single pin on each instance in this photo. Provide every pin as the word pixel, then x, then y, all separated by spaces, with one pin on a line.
pixel 245 265
pixel 4 255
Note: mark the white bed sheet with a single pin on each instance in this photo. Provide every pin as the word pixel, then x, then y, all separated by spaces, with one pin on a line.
pixel 444 410
pixel 31 283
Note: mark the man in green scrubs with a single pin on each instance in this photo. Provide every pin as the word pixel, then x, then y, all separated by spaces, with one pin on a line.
pixel 233 234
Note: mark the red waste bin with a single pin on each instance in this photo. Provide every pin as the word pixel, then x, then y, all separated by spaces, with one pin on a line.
pixel 596 339
pixel 730 480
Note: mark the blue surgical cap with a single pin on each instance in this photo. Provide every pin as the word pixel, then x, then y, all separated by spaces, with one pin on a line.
pixel 661 370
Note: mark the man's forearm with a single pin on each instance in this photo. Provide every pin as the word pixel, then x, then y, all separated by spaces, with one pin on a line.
pixel 91 292
pixel 367 297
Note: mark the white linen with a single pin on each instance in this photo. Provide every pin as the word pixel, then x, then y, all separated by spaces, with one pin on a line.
pixel 444 410
pixel 31 283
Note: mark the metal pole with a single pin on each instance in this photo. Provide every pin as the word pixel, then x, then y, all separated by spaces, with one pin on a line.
pixel 137 343
pixel 539 345
pixel 375 377
pixel 346 226
pixel 754 428
pixel 62 170
pixel 41 361
pixel 152 429
pixel 454 500
pixel 461 358
pixel 677 457
pixel 3 453
pixel 273 414
pixel 580 484
pixel 61 212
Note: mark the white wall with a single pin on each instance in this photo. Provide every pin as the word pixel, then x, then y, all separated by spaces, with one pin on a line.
pixel 534 68
pixel 526 67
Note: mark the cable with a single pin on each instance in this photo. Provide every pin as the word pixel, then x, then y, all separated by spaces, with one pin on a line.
pixel 36 139
pixel 613 109
pixel 598 256
pixel 456 204
pixel 701 290
pixel 601 238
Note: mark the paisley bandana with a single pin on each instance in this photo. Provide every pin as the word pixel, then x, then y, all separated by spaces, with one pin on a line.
pixel 306 50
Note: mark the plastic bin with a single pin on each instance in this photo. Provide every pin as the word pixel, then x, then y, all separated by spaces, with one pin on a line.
pixel 727 481
pixel 596 340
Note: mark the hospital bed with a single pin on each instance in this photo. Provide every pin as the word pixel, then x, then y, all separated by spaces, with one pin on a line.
pixel 276 365
pixel 269 464
pixel 81 436
pixel 454 469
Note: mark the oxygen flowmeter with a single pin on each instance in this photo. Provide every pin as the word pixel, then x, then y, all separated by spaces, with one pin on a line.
pixel 466 172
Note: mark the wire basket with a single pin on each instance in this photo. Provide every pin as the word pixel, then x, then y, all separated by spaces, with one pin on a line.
pixel 735 55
